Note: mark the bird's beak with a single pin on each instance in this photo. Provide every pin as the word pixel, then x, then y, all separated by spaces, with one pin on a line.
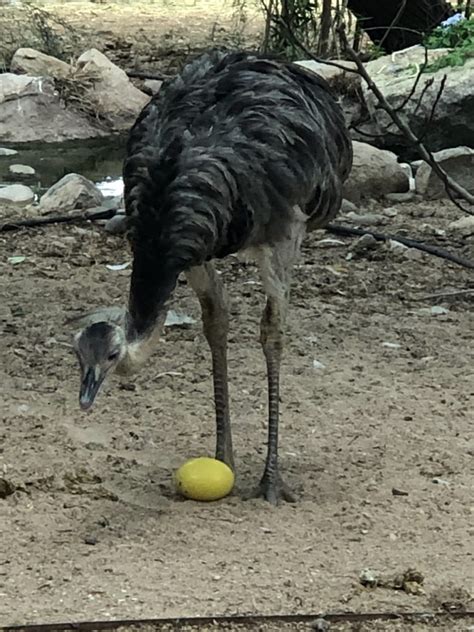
pixel 92 379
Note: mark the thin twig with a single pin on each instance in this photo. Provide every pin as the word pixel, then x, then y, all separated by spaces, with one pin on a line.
pixel 446 294
pixel 450 184
pixel 348 231
pixel 83 216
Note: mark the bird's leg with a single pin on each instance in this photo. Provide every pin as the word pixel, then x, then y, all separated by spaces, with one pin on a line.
pixel 211 294
pixel 276 270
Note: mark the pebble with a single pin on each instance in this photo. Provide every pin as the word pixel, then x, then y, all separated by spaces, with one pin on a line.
pixel 366 219
pixel 21 170
pixel 398 198
pixel 5 151
pixel 363 244
pixel 91 540
pixel 116 225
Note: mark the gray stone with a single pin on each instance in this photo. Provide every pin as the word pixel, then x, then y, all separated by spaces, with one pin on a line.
pixel 398 198
pixel 16 194
pixel 113 94
pixel 363 244
pixel 453 120
pixel 116 225
pixel 31 110
pixel 374 173
pixel 348 207
pixel 366 219
pixel 29 61
pixel 71 192
pixel 5 151
pixel 21 170
pixel 463 226
pixel 153 85
pixel 458 162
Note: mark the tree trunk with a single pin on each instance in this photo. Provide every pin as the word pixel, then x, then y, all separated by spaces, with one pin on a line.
pixel 411 20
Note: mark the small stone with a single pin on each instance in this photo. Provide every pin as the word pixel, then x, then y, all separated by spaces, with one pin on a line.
pixel 390 211
pixel 73 191
pixel 363 244
pixel 320 625
pixel 366 219
pixel 396 246
pixel 116 225
pixel 368 578
pixel 21 170
pixel 348 207
pixel 91 540
pixel 5 151
pixel 153 85
pixel 6 488
pixel 17 194
pixel 399 198
pixel 464 226
pixel 457 162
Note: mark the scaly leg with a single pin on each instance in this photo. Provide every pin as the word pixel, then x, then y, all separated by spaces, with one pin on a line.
pixel 276 267
pixel 215 318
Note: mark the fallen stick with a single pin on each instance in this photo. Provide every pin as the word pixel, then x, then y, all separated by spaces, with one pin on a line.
pixel 347 231
pixel 447 294
pixel 83 216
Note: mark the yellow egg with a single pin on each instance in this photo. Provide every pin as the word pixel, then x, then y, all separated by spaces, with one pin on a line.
pixel 204 479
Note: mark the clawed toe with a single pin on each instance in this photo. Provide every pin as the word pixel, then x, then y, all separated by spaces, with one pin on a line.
pixel 273 489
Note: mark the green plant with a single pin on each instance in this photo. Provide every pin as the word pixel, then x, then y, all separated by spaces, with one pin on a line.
pixel 459 37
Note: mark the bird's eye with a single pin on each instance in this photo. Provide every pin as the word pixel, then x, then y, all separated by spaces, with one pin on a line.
pixel 113 356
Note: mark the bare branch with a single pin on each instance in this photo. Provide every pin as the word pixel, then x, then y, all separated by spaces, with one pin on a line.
pixel 339 229
pixel 84 216
pixel 450 184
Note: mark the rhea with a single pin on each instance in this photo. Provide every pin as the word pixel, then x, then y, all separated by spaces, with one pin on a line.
pixel 239 152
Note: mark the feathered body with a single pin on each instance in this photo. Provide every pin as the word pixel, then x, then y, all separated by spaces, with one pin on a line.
pixel 218 160
pixel 238 152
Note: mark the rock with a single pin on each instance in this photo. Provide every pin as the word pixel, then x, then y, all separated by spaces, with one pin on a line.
pixel 363 244
pixel 338 79
pixel 390 211
pixel 21 170
pixel 5 151
pixel 6 488
pixel 366 219
pixel 31 110
pixel 399 198
pixel 17 194
pixel 452 123
pixel 153 85
pixel 464 226
pixel 115 97
pixel 29 61
pixel 71 192
pixel 348 207
pixel 374 173
pixel 458 162
pixel 116 225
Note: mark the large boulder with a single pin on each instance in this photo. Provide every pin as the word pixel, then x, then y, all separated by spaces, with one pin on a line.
pixel 458 162
pixel 374 173
pixel 115 97
pixel 32 62
pixel 31 110
pixel 70 193
pixel 453 121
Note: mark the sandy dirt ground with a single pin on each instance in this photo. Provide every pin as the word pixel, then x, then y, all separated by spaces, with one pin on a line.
pixel 377 399
pixel 137 34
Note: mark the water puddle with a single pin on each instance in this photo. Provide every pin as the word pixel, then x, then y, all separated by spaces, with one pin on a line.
pixel 99 160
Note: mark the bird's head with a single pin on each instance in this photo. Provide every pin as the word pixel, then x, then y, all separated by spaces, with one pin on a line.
pixel 100 348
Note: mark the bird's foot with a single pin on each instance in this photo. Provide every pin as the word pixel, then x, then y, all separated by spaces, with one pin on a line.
pixel 274 489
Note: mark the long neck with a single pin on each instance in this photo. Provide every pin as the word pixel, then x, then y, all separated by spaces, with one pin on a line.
pixel 150 290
